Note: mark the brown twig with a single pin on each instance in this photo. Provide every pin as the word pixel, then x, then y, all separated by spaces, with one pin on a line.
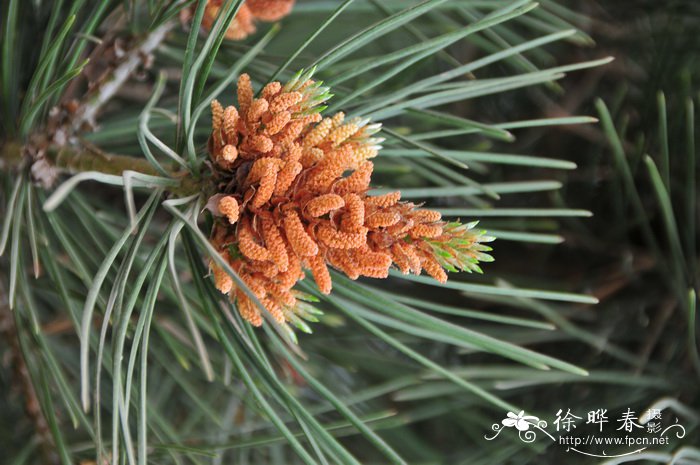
pixel 72 160
pixel 88 111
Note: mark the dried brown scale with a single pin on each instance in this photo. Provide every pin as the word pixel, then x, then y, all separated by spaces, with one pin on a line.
pixel 300 183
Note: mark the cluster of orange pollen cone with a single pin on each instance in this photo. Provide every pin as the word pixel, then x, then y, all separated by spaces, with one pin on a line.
pixel 243 24
pixel 293 196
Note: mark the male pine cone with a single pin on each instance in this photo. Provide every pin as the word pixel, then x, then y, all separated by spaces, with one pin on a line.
pixel 285 204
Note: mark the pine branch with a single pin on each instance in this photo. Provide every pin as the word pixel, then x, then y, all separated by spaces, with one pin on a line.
pixel 119 76
pixel 53 161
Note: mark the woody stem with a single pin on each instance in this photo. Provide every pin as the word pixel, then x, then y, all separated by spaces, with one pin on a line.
pixel 72 160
